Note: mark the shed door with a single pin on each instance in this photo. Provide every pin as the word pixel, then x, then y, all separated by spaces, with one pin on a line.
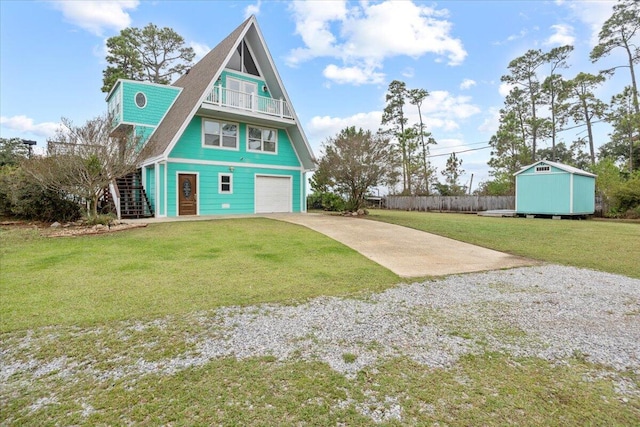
pixel 273 194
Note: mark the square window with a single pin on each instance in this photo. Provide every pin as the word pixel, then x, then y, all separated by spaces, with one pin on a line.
pixel 226 183
pixel 219 134
pixel 259 139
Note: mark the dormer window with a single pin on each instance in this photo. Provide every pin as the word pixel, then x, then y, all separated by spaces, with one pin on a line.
pixel 241 60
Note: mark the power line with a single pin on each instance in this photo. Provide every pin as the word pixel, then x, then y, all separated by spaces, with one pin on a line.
pixel 457 152
pixel 579 126
pixel 467 145
pixel 487 142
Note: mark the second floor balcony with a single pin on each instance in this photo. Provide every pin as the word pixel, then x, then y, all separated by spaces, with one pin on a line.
pixel 249 102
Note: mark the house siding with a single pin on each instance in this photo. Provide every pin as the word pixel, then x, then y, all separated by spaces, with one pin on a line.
pixel 189 155
pixel 211 202
pixel 159 99
pixel 189 146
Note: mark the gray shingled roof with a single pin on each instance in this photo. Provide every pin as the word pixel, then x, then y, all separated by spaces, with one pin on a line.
pixel 193 84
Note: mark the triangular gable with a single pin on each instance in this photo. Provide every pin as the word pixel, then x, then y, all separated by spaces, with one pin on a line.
pixel 199 81
pixel 561 166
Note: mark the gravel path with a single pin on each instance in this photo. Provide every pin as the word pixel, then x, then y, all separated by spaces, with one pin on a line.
pixel 549 311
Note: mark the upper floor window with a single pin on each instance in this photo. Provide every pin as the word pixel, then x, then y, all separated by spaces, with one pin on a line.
pixel 219 134
pixel 141 100
pixel 241 60
pixel 543 169
pixel 260 139
pixel 114 106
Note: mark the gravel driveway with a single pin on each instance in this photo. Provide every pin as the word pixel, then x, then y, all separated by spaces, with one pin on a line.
pixel 549 311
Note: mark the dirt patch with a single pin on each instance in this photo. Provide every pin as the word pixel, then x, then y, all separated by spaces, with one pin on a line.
pixel 70 229
pixel 88 230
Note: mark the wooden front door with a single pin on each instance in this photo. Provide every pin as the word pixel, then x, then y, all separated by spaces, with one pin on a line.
pixel 187 197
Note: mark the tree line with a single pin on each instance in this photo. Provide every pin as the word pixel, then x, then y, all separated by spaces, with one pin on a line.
pixel 541 103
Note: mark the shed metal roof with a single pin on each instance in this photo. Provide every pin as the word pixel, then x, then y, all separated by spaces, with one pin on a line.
pixel 561 166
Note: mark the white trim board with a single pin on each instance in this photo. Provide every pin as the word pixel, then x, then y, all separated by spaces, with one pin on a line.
pixel 234 164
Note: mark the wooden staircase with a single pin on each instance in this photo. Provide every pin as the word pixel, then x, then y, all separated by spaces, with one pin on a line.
pixel 134 202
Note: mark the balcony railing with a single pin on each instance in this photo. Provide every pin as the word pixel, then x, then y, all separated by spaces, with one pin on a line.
pixel 249 102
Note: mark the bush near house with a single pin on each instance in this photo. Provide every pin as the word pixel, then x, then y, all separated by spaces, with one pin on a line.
pixel 326 201
pixel 22 197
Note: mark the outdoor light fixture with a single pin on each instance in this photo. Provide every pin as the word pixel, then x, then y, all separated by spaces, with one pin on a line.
pixel 230 168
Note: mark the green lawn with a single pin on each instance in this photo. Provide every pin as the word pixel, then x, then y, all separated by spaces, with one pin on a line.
pixel 173 268
pixel 600 245
pixel 65 299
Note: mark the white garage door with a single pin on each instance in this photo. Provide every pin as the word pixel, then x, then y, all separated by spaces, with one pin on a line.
pixel 273 194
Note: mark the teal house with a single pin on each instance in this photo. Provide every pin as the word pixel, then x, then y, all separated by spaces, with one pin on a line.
pixel 550 188
pixel 222 139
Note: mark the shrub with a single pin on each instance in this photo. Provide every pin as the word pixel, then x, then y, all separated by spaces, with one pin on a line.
pixel 22 197
pixel 628 194
pixel 326 201
pixel 104 219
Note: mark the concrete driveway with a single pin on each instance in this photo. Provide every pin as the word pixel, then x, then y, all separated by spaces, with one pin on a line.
pixel 405 251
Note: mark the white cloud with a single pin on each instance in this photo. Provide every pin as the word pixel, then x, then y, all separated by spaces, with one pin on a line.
pixel 25 124
pixel 322 127
pixel 491 122
pixel 312 24
pixel 252 9
pixel 200 50
pixel 441 111
pixel 97 16
pixel 562 35
pixel 591 13
pixel 408 72
pixel 505 88
pixel 467 84
pixel 512 37
pixel 442 104
pixel 360 36
pixel 352 75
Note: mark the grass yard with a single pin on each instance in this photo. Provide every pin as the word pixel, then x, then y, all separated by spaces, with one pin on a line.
pixel 172 268
pixel 600 245
pixel 91 326
pixel 491 389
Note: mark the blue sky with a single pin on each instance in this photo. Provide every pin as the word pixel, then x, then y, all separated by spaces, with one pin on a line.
pixel 336 59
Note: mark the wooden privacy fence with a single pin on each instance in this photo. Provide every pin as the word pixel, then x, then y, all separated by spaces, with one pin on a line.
pixel 469 204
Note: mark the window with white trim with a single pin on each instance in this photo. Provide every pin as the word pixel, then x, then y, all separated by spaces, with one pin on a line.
pixel 261 139
pixel 543 169
pixel 242 60
pixel 225 183
pixel 141 100
pixel 219 134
